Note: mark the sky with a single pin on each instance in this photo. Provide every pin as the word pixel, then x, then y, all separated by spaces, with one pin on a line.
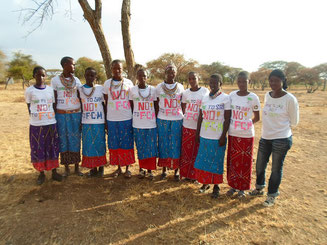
pixel 238 33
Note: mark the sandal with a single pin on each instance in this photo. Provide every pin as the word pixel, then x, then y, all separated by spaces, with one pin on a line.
pixel 128 174
pixel 41 179
pixel 101 171
pixel 92 173
pixel 116 173
pixel 241 195
pixel 56 176
pixel 163 176
pixel 151 177
pixel 142 174
pixel 204 188
pixel 230 192
pixel 176 177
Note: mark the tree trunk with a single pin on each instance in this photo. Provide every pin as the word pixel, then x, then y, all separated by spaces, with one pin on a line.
pixel 129 55
pixel 93 17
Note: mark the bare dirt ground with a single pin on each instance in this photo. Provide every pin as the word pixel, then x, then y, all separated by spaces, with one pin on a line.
pixel 119 211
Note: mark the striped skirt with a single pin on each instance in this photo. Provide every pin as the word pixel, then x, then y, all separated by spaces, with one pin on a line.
pixel 121 143
pixel 44 143
pixel 169 142
pixel 209 162
pixel 239 162
pixel 94 145
pixel 146 141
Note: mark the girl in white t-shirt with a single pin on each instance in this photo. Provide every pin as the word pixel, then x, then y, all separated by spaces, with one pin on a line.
pixel 44 139
pixel 191 102
pixel 143 102
pixel 212 128
pixel 245 107
pixel 169 122
pixel 119 119
pixel 279 114
pixel 68 115
pixel 93 124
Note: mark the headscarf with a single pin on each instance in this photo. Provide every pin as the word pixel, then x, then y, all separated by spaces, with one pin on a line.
pixel 280 74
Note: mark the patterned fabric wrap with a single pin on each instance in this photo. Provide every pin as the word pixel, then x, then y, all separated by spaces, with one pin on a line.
pixel 44 142
pixel 210 158
pixel 239 162
pixel 94 145
pixel 189 151
pixel 146 141
pixel 70 137
pixel 120 142
pixel 169 142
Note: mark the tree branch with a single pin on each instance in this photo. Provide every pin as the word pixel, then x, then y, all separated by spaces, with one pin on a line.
pixel 98 10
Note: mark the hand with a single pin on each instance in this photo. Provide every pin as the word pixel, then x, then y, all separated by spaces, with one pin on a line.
pixel 222 141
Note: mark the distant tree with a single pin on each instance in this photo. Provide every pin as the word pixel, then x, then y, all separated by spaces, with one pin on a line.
pixel 260 78
pixel 3 72
pixel 322 70
pixel 214 67
pixel 311 79
pixel 232 74
pixel 271 65
pixel 157 66
pixel 84 62
pixel 52 73
pixel 21 67
pixel 291 70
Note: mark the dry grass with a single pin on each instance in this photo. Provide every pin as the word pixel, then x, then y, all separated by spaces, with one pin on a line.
pixel 119 211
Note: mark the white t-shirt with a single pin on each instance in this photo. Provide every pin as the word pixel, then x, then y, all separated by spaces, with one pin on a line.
pixel 193 100
pixel 242 112
pixel 41 105
pixel 92 107
pixel 213 115
pixel 278 115
pixel 144 115
pixel 170 106
pixel 118 106
pixel 66 99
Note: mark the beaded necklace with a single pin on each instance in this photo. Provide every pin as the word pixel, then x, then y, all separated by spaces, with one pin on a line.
pixel 168 91
pixel 69 85
pixel 90 94
pixel 215 95
pixel 146 97
pixel 116 86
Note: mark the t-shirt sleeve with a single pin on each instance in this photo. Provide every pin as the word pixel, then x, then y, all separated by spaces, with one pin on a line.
pixel 256 103
pixel 154 92
pixel 105 88
pixel 184 97
pixel 293 111
pixel 53 84
pixel 130 94
pixel 27 96
pixel 78 82
pixel 227 103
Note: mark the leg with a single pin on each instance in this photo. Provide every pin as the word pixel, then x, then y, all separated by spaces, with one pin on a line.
pixel 164 174
pixel 280 148
pixel 77 172
pixel 101 171
pixel 176 175
pixel 41 178
pixel 142 173
pixel 264 152
pixel 67 170
pixel 56 176
pixel 215 192
pixel 128 173
pixel 150 174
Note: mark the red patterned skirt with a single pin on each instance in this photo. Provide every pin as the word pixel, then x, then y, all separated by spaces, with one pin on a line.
pixel 189 151
pixel 208 178
pixel 239 162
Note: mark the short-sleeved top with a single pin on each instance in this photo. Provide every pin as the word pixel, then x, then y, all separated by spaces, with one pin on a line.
pixel 193 100
pixel 144 115
pixel 241 115
pixel 92 107
pixel 213 111
pixel 118 106
pixel 170 105
pixel 278 116
pixel 66 98
pixel 41 105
